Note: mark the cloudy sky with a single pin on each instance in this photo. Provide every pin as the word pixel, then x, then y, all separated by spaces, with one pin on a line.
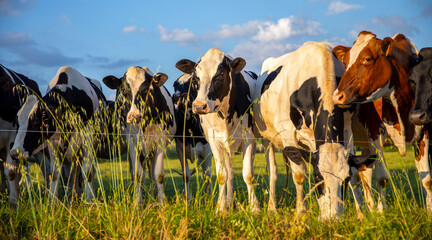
pixel 103 37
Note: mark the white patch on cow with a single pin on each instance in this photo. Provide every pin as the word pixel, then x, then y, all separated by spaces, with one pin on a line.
pixel 24 114
pixel 361 42
pixel 334 168
pixel 380 92
pixel 135 76
pixel 75 79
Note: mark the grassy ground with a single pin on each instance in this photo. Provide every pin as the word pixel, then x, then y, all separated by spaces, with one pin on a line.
pixel 115 216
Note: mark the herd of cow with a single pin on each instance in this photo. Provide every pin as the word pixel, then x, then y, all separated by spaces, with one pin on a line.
pixel 316 104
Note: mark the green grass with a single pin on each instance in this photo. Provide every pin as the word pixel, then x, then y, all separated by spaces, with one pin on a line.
pixel 115 216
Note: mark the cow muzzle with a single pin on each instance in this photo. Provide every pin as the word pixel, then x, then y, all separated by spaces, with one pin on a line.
pixel 419 117
pixel 200 107
pixel 339 98
pixel 133 118
pixel 16 154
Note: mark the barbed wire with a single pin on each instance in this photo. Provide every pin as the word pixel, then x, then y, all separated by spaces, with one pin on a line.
pixel 188 136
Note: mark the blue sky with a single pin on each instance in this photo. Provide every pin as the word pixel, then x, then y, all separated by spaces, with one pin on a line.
pixel 103 37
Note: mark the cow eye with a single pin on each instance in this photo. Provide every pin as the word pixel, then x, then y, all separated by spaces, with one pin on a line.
pixel 367 60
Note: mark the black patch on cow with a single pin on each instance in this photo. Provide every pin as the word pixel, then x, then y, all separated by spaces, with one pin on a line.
pixel 13 93
pixel 63 78
pixel 220 82
pixel 190 127
pixel 240 99
pixel 327 127
pixel 270 79
pixel 152 103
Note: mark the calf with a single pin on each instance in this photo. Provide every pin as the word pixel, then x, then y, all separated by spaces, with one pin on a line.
pixel 294 110
pixel 190 141
pixel 223 102
pixel 64 121
pixel 147 112
pixel 14 91
pixel 377 71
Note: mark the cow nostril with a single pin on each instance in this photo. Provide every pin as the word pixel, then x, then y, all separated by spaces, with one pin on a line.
pixel 339 98
pixel 14 154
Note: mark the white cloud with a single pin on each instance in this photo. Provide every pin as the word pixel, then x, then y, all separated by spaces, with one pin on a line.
pixel 286 28
pixel 176 35
pixel 238 31
pixel 339 7
pixel 256 52
pixel 12 39
pixel 132 29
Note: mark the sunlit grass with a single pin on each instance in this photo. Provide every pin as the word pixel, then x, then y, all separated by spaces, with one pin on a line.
pixel 114 216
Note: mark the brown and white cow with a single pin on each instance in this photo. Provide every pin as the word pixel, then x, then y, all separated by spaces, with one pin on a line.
pixel 223 102
pixel 377 71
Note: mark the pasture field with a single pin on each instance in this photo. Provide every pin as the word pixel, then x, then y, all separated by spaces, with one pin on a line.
pixel 115 216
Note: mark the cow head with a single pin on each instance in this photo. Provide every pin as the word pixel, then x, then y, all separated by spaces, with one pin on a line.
pixel 135 92
pixel 369 67
pixel 420 79
pixel 36 121
pixel 186 90
pixel 214 73
pixel 331 169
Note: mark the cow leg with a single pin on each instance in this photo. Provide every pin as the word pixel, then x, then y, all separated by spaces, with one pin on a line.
pixel 137 172
pixel 356 190
pixel 299 174
pixel 221 175
pixel 55 167
pixel 88 173
pixel 382 177
pixel 205 160
pixel 44 163
pixel 248 171
pixel 230 181
pixel 13 177
pixel 423 169
pixel 185 167
pixel 271 160
pixel 159 173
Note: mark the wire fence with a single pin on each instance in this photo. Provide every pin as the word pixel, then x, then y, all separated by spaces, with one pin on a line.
pixel 388 141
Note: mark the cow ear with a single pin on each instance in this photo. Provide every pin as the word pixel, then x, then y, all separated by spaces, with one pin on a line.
pixel 387 45
pixel 359 161
pixel 112 82
pixel 298 155
pixel 159 79
pixel 340 52
pixel 237 65
pixel 186 66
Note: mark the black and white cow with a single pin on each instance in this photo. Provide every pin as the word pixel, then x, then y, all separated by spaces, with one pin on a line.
pixel 295 111
pixel 64 121
pixel 223 102
pixel 147 111
pixel 14 90
pixel 190 141
pixel 420 78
